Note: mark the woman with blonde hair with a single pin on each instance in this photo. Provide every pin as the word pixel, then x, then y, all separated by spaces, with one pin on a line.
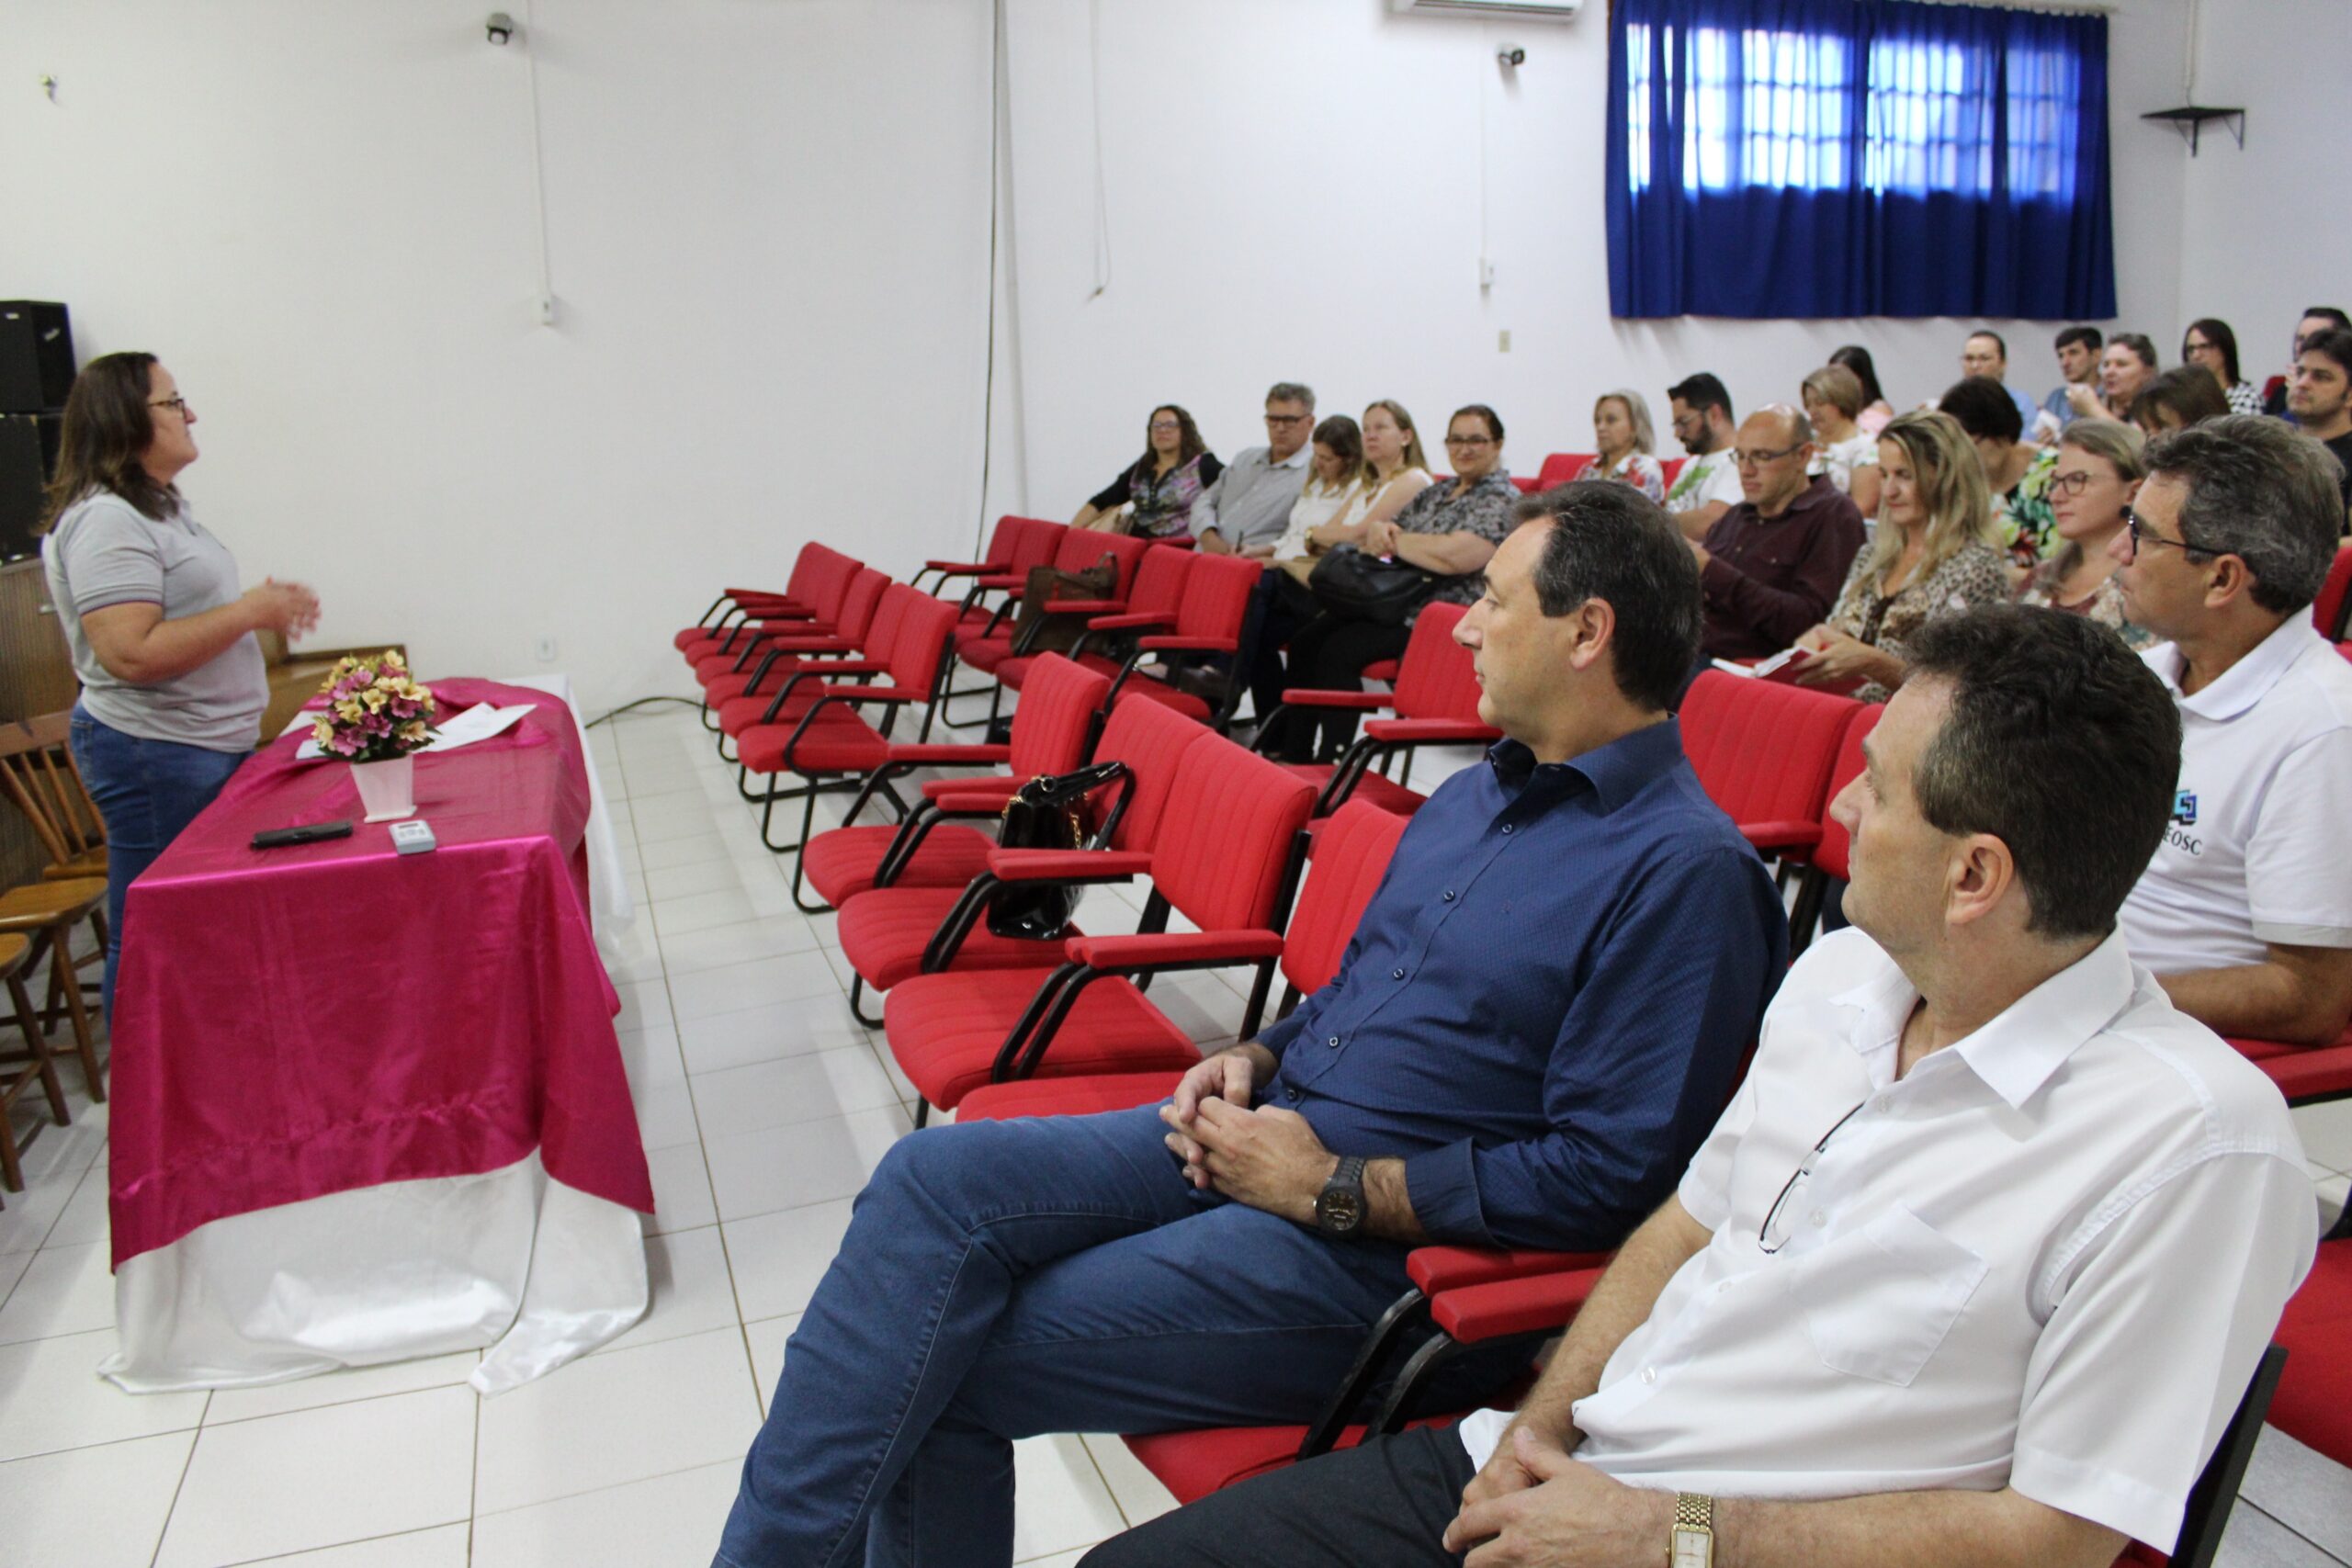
pixel 2098 473
pixel 1395 472
pixel 1934 555
pixel 1833 400
pixel 1621 430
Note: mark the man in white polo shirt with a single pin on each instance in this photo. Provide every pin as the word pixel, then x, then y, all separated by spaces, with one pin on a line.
pixel 1977 1264
pixel 2246 912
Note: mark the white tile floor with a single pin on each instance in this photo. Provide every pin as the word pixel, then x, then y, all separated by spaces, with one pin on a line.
pixel 762 1106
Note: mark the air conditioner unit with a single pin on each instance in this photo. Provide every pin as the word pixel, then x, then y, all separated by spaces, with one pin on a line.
pixel 1518 10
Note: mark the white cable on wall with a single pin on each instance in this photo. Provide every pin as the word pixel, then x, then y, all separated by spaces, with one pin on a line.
pixel 1102 197
pixel 2189 59
pixel 539 159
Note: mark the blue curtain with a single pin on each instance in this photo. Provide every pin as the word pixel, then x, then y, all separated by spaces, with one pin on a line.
pixel 1772 158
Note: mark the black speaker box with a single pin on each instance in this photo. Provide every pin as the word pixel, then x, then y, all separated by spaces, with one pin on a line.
pixel 27 458
pixel 36 357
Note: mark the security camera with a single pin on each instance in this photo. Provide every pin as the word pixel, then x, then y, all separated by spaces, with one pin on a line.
pixel 1510 54
pixel 501 28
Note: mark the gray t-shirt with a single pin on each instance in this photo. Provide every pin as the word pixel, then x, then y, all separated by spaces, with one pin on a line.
pixel 104 551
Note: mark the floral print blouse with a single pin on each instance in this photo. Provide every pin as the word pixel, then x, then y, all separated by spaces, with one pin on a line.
pixel 2104 605
pixel 2028 527
pixel 1973 576
pixel 1636 469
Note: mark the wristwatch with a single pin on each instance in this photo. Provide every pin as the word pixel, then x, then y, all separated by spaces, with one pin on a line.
pixel 1339 1208
pixel 1694 1531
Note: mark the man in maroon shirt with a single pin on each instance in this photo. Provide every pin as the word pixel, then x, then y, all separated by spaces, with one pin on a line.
pixel 1771 565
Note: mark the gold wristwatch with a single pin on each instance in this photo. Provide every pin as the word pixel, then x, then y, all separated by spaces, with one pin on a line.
pixel 1694 1531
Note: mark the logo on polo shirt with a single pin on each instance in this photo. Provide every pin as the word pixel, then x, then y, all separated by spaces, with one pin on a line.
pixel 2184 808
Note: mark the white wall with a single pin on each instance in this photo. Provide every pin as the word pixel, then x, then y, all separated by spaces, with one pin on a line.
pixel 768 231
pixel 768 221
pixel 1294 192
pixel 2262 235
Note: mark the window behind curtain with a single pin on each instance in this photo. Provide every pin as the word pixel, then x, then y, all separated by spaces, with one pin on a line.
pixel 1856 157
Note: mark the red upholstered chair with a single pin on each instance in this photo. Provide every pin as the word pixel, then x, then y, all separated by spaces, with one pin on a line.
pixel 1014 545
pixel 2328 610
pixel 835 742
pixel 2315 1403
pixel 759 668
pixel 734 602
pixel 1435 702
pixel 1526 485
pixel 811 613
pixel 1214 602
pixel 785 693
pixel 1826 864
pixel 891 935
pixel 2306 1075
pixel 1560 468
pixel 1227 848
pixel 987 644
pixel 1051 731
pixel 1350 856
pixel 1152 605
pixel 1763 752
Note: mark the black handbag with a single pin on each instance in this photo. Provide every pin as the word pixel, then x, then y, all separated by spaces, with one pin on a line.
pixel 1370 588
pixel 1045 813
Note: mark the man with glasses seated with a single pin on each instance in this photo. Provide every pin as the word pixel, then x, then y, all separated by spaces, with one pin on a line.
pixel 1249 506
pixel 1771 565
pixel 1977 1264
pixel 2245 913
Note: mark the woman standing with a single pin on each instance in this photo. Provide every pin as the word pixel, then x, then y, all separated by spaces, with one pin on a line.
pixel 2212 347
pixel 1933 556
pixel 2099 471
pixel 1833 402
pixel 1450 531
pixel 1620 428
pixel 172 686
pixel 1162 484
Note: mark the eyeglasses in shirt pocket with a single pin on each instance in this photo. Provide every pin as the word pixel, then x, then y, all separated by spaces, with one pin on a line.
pixel 1879 1303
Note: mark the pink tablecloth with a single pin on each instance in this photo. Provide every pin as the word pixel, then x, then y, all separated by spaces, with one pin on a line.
pixel 298 1022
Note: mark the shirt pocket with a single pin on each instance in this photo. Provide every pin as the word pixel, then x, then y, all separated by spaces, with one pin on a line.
pixel 1879 1304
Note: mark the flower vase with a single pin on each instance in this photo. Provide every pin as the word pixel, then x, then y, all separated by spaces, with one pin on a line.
pixel 386 788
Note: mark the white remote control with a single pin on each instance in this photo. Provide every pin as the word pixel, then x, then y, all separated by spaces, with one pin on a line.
pixel 411 838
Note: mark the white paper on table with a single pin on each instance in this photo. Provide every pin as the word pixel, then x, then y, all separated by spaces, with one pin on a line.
pixel 477 723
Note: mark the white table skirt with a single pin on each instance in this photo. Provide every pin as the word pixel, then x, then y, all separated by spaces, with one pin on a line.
pixel 510 1261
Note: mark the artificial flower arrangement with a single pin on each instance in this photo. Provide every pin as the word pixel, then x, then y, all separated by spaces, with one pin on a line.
pixel 375 711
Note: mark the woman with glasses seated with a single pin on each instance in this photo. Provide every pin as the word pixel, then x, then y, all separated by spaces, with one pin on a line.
pixel 2212 347
pixel 172 681
pixel 1449 530
pixel 1935 554
pixel 1159 486
pixel 2098 472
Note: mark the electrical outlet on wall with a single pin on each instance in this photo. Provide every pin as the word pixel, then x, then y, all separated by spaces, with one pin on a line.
pixel 545 650
pixel 1502 341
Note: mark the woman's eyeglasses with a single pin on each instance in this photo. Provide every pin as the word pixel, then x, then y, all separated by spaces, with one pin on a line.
pixel 177 405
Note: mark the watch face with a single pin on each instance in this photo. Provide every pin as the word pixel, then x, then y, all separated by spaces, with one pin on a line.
pixel 1340 1210
pixel 1693 1548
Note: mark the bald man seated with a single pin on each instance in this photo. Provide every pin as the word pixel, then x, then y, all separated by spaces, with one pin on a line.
pixel 1771 565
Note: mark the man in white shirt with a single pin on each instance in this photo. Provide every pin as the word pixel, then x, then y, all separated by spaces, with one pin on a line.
pixel 1979 1262
pixel 1249 506
pixel 1708 485
pixel 2246 912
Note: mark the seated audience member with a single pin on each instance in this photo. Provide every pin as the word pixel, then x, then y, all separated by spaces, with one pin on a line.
pixel 2124 367
pixel 1932 556
pixel 1395 472
pixel 1449 531
pixel 2321 400
pixel 2176 400
pixel 2078 367
pixel 2098 472
pixel 2016 472
pixel 1247 507
pixel 1977 1264
pixel 2317 319
pixel 1849 454
pixel 1620 429
pixel 1771 567
pixel 2212 347
pixel 1708 485
pixel 1877 412
pixel 1987 355
pixel 1161 485
pixel 1281 603
pixel 1537 1019
pixel 2246 914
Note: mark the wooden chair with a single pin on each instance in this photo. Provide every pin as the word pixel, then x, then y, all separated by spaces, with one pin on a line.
pixel 37 772
pixel 15 957
pixel 45 913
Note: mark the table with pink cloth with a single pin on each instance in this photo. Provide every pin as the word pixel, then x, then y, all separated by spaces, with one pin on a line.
pixel 369 1106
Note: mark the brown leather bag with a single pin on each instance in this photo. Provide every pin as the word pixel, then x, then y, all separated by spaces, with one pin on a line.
pixel 1036 632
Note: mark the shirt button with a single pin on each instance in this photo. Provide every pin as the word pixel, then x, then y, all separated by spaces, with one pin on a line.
pixel 1333 1043
pixel 1819 1219
pixel 1396 973
pixel 1449 894
pixel 1291 1095
pixel 1506 827
pixel 1649 1374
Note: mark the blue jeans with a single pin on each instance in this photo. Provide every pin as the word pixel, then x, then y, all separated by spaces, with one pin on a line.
pixel 147 792
pixel 1005 1278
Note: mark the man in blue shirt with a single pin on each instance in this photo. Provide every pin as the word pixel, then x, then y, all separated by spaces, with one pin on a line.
pixel 1537 1022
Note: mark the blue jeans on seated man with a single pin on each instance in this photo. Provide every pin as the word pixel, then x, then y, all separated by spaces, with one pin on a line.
pixel 1054 1274
pixel 147 792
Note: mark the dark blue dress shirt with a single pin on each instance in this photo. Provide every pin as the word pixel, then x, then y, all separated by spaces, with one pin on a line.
pixel 1544 1005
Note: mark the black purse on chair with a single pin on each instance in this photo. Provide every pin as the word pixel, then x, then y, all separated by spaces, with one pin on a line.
pixel 1045 813
pixel 1370 588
